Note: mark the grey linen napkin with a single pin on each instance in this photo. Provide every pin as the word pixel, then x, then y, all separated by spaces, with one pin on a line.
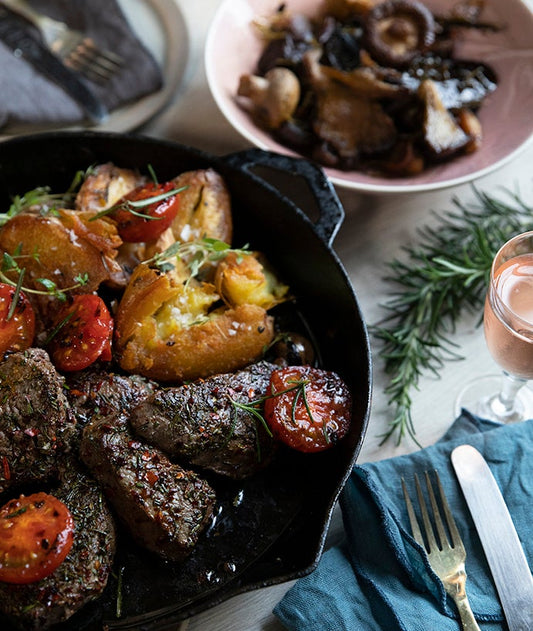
pixel 28 98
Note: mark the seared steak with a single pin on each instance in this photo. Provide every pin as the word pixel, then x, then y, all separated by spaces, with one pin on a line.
pixel 201 423
pixel 82 576
pixel 36 424
pixel 163 506
pixel 96 392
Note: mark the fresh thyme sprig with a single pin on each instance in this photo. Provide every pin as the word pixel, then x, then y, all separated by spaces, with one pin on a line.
pixel 42 198
pixel 444 275
pixel 195 254
pixel 10 264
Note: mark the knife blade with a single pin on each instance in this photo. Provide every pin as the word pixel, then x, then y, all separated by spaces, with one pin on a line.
pixel 22 42
pixel 502 547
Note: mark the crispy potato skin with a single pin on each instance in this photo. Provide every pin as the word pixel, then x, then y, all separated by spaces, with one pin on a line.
pixel 66 245
pixel 205 211
pixel 105 186
pixel 205 207
pixel 151 342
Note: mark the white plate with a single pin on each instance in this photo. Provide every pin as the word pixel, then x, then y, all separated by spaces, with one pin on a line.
pixel 165 34
pixel 160 26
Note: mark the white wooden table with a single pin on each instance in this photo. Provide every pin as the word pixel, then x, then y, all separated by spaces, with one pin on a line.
pixel 374 231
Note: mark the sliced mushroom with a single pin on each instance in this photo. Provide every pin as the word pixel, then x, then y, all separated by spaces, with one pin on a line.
pixel 470 124
pixel 366 82
pixel 274 97
pixel 442 135
pixel 349 123
pixel 352 124
pixel 397 31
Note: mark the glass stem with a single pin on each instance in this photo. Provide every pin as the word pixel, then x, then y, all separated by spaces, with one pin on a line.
pixel 504 404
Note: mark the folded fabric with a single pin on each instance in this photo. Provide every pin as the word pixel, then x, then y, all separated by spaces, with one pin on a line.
pixel 29 98
pixel 379 578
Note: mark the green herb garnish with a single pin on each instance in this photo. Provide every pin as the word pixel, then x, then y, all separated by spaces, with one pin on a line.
pixel 10 264
pixel 255 408
pixel 195 254
pixel 446 273
pixel 43 199
pixel 132 205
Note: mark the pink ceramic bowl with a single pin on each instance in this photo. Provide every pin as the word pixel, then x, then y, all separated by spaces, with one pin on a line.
pixel 233 48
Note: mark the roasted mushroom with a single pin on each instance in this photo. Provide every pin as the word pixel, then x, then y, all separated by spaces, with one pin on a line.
pixel 397 31
pixel 273 97
pixel 380 87
pixel 352 123
pixel 442 134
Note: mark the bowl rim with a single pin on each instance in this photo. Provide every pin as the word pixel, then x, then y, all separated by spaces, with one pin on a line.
pixel 249 133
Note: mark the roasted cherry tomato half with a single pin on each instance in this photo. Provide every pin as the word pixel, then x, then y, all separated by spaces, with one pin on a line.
pixel 83 332
pixel 36 534
pixel 18 328
pixel 308 409
pixel 142 223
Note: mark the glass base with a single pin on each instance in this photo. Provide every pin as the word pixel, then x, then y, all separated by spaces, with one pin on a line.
pixel 480 397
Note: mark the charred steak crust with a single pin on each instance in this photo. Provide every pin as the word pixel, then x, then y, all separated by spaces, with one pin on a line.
pixel 83 574
pixel 36 424
pixel 164 507
pixel 97 392
pixel 199 423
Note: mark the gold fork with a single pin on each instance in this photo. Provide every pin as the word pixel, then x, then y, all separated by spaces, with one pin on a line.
pixel 77 50
pixel 447 560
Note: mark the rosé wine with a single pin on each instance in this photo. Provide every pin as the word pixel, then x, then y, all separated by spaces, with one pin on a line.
pixel 508 318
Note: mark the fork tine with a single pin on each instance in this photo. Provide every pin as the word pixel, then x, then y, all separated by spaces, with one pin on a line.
pixel 437 518
pixel 430 535
pixel 415 527
pixel 452 526
pixel 97 65
pixel 447 562
pixel 77 50
pixel 95 69
pixel 87 48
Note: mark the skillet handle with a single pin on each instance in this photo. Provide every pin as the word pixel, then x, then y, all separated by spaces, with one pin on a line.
pixel 330 209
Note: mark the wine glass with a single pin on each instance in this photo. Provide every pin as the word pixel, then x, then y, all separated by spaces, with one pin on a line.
pixel 508 327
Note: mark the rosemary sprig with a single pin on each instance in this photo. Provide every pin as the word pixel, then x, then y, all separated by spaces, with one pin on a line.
pixel 255 407
pixel 445 274
pixel 132 205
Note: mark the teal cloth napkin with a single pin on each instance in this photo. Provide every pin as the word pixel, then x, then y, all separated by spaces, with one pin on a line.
pixel 378 579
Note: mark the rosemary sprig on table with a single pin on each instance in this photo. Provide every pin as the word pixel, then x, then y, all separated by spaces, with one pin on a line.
pixel 441 277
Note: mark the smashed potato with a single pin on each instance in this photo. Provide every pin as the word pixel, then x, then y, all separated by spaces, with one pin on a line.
pixel 185 305
pixel 61 247
pixel 205 211
pixel 170 329
pixel 105 185
pixel 245 279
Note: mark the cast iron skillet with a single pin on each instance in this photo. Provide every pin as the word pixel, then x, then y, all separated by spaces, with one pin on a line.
pixel 270 528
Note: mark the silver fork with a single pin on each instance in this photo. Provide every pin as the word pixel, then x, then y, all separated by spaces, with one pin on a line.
pixel 447 560
pixel 77 50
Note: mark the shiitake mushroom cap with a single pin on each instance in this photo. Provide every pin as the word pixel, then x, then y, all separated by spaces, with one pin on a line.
pixel 397 31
